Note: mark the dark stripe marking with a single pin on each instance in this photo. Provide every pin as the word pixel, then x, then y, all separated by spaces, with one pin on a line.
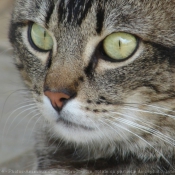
pixel 50 11
pixel 75 11
pixel 100 16
pixel 89 70
pixel 13 34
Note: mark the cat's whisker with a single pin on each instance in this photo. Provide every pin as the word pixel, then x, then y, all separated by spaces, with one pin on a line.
pixel 33 164
pixel 30 166
pixel 11 124
pixel 24 102
pixel 149 130
pixel 21 107
pixel 159 108
pixel 29 123
pixel 136 119
pixel 75 149
pixel 105 136
pixel 6 93
pixel 58 145
pixel 119 126
pixel 101 136
pixel 51 137
pixel 8 118
pixel 6 50
pixel 13 92
pixel 53 134
pixel 25 117
pixel 88 154
pixel 39 118
pixel 49 140
pixel 146 129
pixel 152 112
pixel 27 102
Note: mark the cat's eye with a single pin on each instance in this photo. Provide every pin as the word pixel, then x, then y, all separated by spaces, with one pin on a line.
pixel 40 38
pixel 120 46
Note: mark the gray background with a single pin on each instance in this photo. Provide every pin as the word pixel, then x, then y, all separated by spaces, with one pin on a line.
pixel 17 126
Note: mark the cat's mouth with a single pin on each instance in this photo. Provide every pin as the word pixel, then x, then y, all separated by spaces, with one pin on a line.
pixel 70 124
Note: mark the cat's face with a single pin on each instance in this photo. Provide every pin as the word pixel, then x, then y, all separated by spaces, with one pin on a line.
pixel 113 62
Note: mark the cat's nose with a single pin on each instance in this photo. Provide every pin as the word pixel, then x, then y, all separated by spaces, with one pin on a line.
pixel 57 99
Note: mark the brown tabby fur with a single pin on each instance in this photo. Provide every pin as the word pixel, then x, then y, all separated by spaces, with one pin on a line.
pixel 130 102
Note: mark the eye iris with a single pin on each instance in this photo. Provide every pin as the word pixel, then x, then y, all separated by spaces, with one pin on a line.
pixel 41 38
pixel 120 46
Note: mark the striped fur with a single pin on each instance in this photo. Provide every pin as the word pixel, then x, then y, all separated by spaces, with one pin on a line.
pixel 121 114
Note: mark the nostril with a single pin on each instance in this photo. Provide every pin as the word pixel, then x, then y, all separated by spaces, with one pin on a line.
pixel 63 99
pixel 59 104
pixel 58 109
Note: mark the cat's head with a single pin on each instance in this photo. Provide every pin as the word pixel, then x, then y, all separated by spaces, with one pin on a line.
pixel 102 72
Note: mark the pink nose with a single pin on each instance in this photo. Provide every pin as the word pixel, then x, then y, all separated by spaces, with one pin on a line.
pixel 57 99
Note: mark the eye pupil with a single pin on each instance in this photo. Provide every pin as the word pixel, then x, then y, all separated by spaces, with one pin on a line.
pixel 119 44
pixel 44 34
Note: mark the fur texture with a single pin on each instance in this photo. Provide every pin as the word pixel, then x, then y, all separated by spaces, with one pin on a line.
pixel 121 114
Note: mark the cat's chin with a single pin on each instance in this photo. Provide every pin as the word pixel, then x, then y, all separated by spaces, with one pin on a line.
pixel 74 126
pixel 76 133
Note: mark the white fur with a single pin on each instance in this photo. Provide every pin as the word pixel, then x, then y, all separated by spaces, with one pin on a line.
pixel 47 110
pixel 73 113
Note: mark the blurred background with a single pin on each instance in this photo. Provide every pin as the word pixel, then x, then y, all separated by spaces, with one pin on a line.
pixel 17 119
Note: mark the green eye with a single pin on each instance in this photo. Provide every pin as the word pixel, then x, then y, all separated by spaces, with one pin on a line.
pixel 41 38
pixel 120 46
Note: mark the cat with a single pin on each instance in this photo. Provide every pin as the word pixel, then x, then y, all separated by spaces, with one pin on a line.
pixel 102 73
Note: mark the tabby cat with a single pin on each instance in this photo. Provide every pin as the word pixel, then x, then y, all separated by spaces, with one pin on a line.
pixel 102 73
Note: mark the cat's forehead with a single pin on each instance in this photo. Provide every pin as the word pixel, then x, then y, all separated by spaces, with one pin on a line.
pixel 147 19
pixel 76 9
